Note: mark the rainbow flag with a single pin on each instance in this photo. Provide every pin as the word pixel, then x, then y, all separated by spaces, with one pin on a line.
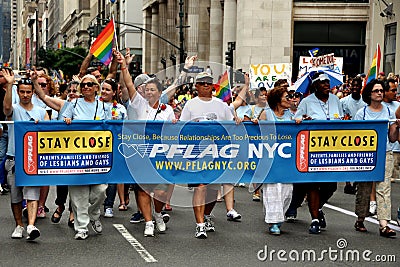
pixel 102 46
pixel 376 63
pixel 223 88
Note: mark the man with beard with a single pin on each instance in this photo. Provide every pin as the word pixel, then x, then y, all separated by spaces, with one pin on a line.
pixel 320 105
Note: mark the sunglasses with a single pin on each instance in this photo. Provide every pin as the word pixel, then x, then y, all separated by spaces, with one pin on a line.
pixel 43 84
pixel 295 95
pixel 25 81
pixel 393 90
pixel 89 84
pixel 204 83
pixel 377 91
pixel 73 91
pixel 97 76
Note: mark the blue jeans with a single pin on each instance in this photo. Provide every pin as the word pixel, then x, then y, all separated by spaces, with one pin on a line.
pixel 111 192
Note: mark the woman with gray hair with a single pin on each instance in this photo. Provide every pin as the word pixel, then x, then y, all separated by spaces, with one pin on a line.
pixel 87 199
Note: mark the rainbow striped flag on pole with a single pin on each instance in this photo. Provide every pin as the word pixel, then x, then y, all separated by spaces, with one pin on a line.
pixel 223 88
pixel 375 65
pixel 103 45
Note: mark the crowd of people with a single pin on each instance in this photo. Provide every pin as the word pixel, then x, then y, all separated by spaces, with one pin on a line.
pixel 90 97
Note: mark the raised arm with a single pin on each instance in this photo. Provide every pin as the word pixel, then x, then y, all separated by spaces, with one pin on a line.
pixel 124 90
pixel 243 92
pixel 125 74
pixel 112 72
pixel 189 62
pixel 7 102
pixel 85 65
pixel 54 103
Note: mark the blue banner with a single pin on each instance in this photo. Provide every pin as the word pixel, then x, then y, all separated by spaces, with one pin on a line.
pixel 94 152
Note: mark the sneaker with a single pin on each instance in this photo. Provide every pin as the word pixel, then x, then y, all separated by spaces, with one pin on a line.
pixel 256 197
pixel 81 235
pixel 165 216
pixel 18 232
pixel 137 218
pixel 109 213
pixel 160 224
pixel 33 232
pixel 274 229
pixel 372 208
pixel 321 218
pixel 40 212
pixel 200 232
pixel 291 218
pixel 350 189
pixel 97 227
pixel 232 215
pixel 398 216
pixel 149 229
pixel 209 224
pixel 242 185
pixel 315 228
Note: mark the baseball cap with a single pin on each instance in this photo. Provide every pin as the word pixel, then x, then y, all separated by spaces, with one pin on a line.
pixel 382 73
pixel 204 77
pixel 322 77
pixel 141 79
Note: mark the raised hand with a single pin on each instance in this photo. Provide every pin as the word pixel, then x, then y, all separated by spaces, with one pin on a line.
pixel 189 62
pixel 128 56
pixel 8 75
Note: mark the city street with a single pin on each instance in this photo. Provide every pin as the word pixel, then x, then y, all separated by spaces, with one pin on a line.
pixel 233 244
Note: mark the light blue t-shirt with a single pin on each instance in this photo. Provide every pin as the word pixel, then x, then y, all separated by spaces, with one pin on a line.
pixel 385 114
pixel 318 110
pixel 21 114
pixel 120 110
pixel 271 116
pixel 79 109
pixel 393 107
pixel 351 106
pixel 242 111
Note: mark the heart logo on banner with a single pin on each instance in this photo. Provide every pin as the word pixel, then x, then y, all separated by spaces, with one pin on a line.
pixel 129 150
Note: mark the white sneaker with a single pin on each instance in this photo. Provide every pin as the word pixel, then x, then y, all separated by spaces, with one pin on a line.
pixel 160 224
pixel 33 232
pixel 200 232
pixel 18 232
pixel 372 207
pixel 81 235
pixel 149 229
pixel 109 213
pixel 97 227
pixel 209 224
pixel 232 215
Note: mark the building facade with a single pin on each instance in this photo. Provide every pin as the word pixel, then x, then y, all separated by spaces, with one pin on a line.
pixel 5 29
pixel 273 31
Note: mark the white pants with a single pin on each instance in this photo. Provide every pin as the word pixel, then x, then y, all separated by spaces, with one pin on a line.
pixel 276 198
pixel 86 201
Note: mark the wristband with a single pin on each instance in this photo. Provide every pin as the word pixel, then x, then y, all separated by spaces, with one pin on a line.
pixel 123 68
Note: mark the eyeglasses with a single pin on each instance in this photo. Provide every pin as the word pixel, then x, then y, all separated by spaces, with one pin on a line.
pixel 204 83
pixel 295 95
pixel 43 84
pixel 89 84
pixel 377 91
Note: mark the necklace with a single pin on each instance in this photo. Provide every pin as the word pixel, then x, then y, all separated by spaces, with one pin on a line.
pixel 325 108
pixel 114 111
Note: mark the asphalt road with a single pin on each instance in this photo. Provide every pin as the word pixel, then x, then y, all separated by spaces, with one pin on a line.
pixel 233 244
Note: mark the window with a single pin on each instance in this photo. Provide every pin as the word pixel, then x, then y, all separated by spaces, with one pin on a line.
pixel 389 53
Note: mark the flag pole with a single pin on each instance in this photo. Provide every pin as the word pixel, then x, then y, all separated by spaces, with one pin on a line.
pixel 115 32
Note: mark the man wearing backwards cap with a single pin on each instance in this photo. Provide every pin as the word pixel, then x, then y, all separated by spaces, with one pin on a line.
pixel 320 105
pixel 202 108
